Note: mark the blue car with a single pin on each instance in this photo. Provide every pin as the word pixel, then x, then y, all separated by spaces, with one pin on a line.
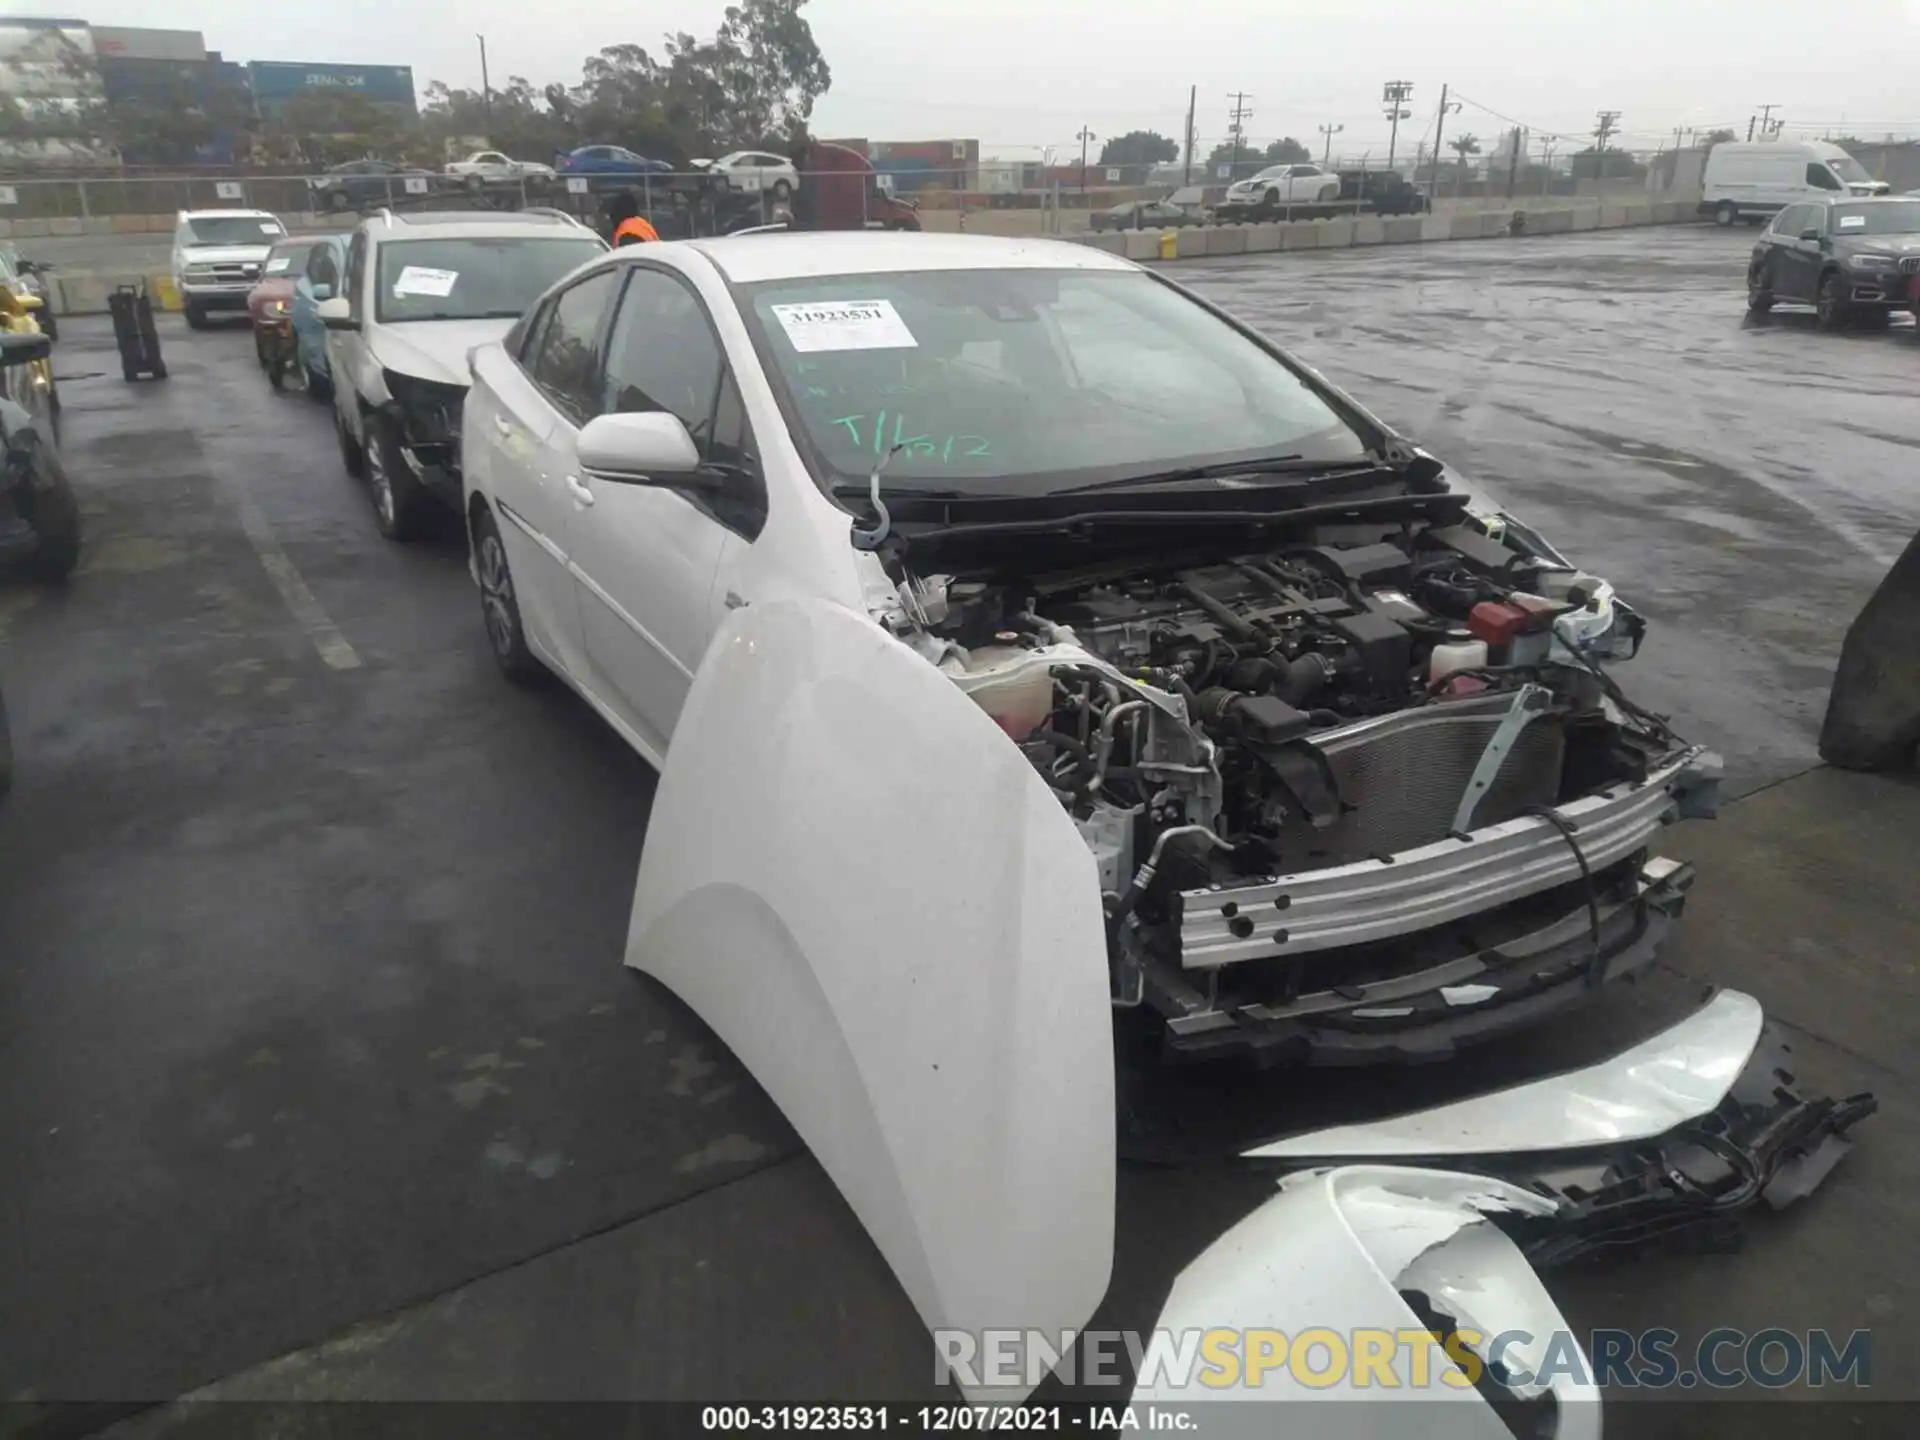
pixel 320 280
pixel 598 162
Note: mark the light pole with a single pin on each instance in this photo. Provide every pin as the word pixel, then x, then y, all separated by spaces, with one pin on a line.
pixel 1086 134
pixel 1326 153
pixel 486 88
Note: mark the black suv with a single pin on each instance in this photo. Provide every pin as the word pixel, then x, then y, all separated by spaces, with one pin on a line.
pixel 1846 258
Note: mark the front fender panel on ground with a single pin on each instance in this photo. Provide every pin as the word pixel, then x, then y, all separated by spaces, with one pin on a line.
pixel 1665 1081
pixel 869 894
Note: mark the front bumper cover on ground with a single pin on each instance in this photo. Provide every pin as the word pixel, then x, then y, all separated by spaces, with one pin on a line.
pixel 1669 1140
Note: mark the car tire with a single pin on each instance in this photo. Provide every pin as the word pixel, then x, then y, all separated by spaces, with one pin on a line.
pixel 196 317
pixel 1829 307
pixel 351 455
pixel 500 607
pixel 399 499
pixel 1760 291
pixel 475 184
pixel 56 519
pixel 1725 213
pixel 339 201
pixel 782 191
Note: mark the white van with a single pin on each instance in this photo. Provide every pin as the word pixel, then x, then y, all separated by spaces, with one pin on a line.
pixel 1755 181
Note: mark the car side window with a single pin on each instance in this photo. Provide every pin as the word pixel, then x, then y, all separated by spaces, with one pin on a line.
pixel 519 340
pixel 663 355
pixel 565 360
pixel 322 269
pixel 1821 178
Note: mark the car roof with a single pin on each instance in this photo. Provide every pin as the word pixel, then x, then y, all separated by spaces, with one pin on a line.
pixel 786 255
pixel 228 215
pixel 481 224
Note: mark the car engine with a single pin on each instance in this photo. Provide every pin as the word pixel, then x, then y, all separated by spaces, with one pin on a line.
pixel 1220 721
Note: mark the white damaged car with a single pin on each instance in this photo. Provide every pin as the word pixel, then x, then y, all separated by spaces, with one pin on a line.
pixel 1034 656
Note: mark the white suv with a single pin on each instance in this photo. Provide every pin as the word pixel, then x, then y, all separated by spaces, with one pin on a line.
pixel 418 293
pixel 217 255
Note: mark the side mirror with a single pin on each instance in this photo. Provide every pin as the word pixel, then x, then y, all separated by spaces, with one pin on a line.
pixel 644 448
pixel 1810 233
pixel 24 348
pixel 321 290
pixel 335 314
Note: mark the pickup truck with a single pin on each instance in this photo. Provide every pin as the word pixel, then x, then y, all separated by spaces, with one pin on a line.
pixel 490 167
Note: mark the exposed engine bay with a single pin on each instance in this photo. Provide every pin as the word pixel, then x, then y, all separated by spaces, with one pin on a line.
pixel 1326 778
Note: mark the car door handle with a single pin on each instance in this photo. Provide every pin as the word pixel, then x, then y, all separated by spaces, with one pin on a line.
pixel 581 494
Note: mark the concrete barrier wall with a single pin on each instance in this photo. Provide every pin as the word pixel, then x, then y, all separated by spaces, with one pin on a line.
pixel 1586 217
pixel 1142 245
pixel 1263 238
pixel 1228 240
pixel 1369 230
pixel 1336 234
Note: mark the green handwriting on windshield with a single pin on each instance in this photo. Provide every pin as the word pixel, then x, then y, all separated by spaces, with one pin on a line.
pixel 944 448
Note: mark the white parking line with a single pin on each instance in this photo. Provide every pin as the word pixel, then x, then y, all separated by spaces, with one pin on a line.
pixel 308 611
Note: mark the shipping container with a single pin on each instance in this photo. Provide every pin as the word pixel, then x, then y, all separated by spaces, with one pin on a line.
pixel 276 82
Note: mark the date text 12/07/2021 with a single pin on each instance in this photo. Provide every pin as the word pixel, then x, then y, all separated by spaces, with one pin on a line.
pixel 1090 1419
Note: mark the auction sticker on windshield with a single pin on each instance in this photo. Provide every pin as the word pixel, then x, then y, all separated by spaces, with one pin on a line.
pixel 420 280
pixel 844 325
pixel 1852 222
pixel 278 263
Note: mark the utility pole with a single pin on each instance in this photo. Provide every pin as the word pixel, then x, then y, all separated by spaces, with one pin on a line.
pixel 1193 96
pixel 1547 143
pixel 486 89
pixel 1238 117
pixel 1767 125
pixel 1326 157
pixel 1513 160
pixel 1439 126
pixel 1608 119
pixel 1086 134
pixel 1393 96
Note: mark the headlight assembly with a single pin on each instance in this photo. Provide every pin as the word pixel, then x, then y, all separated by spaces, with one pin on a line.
pixel 1871 262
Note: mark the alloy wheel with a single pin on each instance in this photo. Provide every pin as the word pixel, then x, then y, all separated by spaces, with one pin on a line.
pixel 496 595
pixel 378 478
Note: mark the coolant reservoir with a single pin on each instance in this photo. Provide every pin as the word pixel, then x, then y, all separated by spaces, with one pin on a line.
pixel 1011 686
pixel 1453 655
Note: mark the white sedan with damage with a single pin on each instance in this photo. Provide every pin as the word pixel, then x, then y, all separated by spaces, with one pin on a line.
pixel 1036 657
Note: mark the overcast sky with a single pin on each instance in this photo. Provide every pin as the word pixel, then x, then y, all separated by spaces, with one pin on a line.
pixel 1033 72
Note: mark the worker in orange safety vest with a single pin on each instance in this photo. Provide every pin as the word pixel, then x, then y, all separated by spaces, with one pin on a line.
pixel 634 230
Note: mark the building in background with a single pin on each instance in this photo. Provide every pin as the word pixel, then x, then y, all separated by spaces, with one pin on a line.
pixel 50 79
pixel 278 85
pixel 176 102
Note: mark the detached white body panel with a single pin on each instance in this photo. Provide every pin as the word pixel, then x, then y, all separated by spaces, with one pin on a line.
pixel 876 903
pixel 1663 1082
pixel 1332 1251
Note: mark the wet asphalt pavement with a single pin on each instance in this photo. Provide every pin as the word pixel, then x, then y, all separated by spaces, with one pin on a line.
pixel 311 1006
pixel 1744 482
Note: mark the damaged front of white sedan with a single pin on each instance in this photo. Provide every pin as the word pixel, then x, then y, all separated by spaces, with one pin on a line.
pixel 1101 674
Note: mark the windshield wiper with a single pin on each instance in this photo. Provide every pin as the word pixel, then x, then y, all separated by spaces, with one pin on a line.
pixel 1230 470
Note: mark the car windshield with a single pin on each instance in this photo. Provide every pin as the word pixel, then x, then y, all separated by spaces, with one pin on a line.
pixel 1898 217
pixel 474 278
pixel 289 258
pixel 232 230
pixel 1026 382
pixel 1851 170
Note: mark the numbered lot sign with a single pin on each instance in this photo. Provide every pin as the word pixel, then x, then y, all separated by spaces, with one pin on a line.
pixel 416 184
pixel 229 190
pixel 576 184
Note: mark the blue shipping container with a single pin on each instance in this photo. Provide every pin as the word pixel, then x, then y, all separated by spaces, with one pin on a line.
pixel 275 82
